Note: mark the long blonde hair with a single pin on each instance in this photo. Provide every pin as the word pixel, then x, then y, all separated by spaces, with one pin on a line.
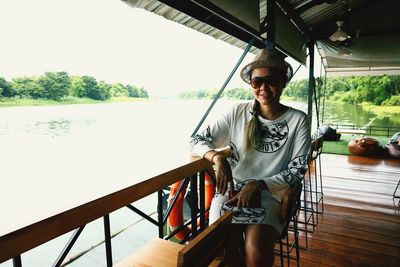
pixel 253 135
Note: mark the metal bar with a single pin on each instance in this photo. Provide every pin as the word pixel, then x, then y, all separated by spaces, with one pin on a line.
pixel 202 200
pixel 68 247
pixel 193 206
pixel 107 239
pixel 271 6
pixel 173 201
pixel 141 213
pixel 250 44
pixel 160 215
pixel 311 82
pixel 17 262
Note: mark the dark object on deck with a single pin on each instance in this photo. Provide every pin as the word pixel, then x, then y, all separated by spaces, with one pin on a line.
pixel 393 146
pixel 366 146
pixel 328 133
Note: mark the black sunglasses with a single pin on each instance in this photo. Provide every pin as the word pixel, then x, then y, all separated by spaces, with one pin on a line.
pixel 270 80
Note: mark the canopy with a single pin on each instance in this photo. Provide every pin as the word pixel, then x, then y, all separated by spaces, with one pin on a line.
pixel 370 55
pixel 292 25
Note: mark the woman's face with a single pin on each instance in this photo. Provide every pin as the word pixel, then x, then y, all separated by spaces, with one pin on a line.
pixel 267 85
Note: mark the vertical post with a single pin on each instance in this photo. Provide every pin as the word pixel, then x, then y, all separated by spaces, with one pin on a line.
pixel 193 200
pixel 311 81
pixel 160 215
pixel 202 201
pixel 107 236
pixel 271 6
pixel 17 261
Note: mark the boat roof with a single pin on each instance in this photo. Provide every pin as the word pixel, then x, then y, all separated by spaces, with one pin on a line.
pixel 374 27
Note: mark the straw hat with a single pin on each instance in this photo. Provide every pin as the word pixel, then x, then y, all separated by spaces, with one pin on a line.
pixel 267 58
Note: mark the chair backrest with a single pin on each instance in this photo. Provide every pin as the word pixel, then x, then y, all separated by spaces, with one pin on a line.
pixel 317 149
pixel 205 247
pixel 290 205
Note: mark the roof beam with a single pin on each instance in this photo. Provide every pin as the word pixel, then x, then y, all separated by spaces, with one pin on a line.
pixel 295 18
pixel 199 12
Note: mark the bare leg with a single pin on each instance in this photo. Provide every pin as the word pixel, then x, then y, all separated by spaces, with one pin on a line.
pixel 259 245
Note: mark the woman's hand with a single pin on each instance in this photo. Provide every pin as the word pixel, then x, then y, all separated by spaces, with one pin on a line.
pixel 247 197
pixel 223 174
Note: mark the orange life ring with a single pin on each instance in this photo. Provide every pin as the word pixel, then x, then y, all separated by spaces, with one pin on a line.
pixel 175 218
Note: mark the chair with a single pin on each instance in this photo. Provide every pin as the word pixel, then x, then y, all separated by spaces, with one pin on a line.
pixel 202 251
pixel 395 191
pixel 290 206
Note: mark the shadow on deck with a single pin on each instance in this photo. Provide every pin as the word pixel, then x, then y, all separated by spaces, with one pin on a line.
pixel 361 221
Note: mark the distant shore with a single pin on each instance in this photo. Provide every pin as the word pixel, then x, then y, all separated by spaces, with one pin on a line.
pixel 70 100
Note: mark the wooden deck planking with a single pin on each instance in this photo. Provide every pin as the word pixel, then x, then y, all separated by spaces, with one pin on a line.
pixel 361 221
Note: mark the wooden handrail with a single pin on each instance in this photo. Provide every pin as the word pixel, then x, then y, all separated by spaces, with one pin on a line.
pixel 26 238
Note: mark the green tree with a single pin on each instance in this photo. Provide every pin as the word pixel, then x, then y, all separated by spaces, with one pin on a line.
pixel 6 89
pixel 93 91
pixel 78 88
pixel 118 89
pixel 142 93
pixel 55 85
pixel 27 87
pixel 104 90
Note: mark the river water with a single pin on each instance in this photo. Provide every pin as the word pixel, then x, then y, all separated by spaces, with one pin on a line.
pixel 46 141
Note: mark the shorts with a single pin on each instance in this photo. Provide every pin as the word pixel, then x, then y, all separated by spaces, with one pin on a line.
pixel 268 202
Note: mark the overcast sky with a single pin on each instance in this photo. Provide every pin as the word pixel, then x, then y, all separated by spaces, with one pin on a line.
pixel 111 41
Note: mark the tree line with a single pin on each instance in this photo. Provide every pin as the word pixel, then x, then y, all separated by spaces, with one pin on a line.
pixel 234 93
pixel 378 90
pixel 57 85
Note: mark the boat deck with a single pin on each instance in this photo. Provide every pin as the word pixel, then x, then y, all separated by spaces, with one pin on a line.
pixel 361 221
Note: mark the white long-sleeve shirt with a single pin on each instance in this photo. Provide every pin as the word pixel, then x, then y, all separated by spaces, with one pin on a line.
pixel 280 160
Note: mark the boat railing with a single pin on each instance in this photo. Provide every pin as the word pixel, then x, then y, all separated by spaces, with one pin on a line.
pixel 13 244
pixel 387 131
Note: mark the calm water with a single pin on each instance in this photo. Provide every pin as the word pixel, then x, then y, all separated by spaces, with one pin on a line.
pixel 47 141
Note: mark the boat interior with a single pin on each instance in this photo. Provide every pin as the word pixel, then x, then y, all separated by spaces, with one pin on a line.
pixel 348 213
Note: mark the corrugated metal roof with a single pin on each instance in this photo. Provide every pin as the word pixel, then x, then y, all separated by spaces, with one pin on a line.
pixel 317 17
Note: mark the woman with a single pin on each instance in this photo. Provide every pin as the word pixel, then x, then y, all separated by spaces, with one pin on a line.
pixel 269 146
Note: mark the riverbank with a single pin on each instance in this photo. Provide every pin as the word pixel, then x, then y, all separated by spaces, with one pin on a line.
pixel 70 100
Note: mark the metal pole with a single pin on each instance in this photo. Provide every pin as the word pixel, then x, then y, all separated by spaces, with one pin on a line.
pixel 160 215
pixel 202 201
pixel 17 261
pixel 107 237
pixel 250 44
pixel 68 247
pixel 193 200
pixel 311 82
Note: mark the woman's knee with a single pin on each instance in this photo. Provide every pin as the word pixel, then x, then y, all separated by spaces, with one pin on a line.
pixel 259 245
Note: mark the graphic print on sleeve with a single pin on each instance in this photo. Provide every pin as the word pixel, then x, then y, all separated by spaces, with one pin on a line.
pixel 274 137
pixel 234 157
pixel 296 169
pixel 204 136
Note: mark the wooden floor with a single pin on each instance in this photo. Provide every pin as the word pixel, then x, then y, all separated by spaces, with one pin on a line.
pixel 360 225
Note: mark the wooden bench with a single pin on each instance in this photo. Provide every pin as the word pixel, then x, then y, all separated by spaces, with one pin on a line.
pixel 203 250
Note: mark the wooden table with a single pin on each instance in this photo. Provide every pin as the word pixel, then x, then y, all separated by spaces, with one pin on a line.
pixel 59 207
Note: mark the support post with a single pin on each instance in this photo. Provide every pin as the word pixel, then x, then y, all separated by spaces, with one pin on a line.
pixel 311 80
pixel 17 261
pixel 270 27
pixel 160 215
pixel 107 238
pixel 194 201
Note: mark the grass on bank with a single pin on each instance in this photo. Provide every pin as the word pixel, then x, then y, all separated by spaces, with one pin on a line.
pixel 340 147
pixel 13 102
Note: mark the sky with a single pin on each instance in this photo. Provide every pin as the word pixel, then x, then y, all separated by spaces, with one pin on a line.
pixel 113 42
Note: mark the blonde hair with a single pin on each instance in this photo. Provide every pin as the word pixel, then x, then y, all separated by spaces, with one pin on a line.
pixel 253 135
